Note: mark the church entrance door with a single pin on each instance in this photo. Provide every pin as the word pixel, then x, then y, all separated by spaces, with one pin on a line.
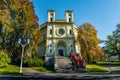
pixel 61 48
pixel 60 52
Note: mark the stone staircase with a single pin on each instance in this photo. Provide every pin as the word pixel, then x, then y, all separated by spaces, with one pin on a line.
pixel 63 62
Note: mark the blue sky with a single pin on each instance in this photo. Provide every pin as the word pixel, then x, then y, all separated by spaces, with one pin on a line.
pixel 104 15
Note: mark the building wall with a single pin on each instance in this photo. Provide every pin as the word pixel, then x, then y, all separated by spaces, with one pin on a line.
pixel 42 50
pixel 42 46
pixel 53 39
pixel 61 35
pixel 55 28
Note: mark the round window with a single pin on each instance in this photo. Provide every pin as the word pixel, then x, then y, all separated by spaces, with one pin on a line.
pixel 61 31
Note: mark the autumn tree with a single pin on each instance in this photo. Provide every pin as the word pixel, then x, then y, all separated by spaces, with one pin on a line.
pixel 22 23
pixel 112 44
pixel 4 28
pixel 88 40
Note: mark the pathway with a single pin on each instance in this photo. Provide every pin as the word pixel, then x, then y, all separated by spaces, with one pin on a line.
pixel 113 69
pixel 37 75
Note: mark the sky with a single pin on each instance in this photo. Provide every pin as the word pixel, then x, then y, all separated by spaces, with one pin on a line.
pixel 104 15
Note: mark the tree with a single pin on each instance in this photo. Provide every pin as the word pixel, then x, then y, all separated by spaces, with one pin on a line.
pixel 88 40
pixel 22 23
pixel 112 43
pixel 4 21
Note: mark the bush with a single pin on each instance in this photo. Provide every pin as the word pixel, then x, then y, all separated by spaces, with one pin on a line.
pixel 33 62
pixel 4 59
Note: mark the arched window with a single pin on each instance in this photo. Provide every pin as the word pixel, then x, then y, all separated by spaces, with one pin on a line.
pixel 50 31
pixel 70 20
pixel 70 31
pixel 51 19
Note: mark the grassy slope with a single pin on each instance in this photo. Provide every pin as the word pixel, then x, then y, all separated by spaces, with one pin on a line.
pixel 10 69
pixel 96 68
pixel 109 63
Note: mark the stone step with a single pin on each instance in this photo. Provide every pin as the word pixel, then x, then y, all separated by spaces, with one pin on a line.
pixel 63 62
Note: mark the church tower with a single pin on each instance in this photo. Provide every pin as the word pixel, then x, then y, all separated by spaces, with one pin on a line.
pixel 69 16
pixel 51 15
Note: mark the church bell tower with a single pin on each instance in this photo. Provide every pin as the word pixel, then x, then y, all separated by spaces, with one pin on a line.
pixel 69 16
pixel 51 15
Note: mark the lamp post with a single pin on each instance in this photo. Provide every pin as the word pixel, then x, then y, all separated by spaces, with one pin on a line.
pixel 23 42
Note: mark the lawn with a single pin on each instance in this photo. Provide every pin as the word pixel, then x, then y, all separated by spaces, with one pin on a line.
pixel 96 68
pixel 117 64
pixel 90 67
pixel 109 63
pixel 10 69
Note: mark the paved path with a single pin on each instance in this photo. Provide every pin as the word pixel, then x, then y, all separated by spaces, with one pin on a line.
pixel 113 69
pixel 29 71
pixel 37 75
pixel 112 75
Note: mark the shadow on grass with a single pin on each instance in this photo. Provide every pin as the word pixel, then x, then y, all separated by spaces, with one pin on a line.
pixel 108 63
pixel 44 68
pixel 50 68
pixel 13 73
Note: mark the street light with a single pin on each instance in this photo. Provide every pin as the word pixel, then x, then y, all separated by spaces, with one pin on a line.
pixel 23 42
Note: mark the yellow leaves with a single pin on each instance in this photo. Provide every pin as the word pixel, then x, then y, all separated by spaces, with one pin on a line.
pixel 20 21
pixel 88 40
pixel 4 16
pixel 37 35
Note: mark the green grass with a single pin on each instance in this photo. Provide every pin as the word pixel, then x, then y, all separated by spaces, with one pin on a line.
pixel 10 69
pixel 43 69
pixel 119 66
pixel 96 68
pixel 109 63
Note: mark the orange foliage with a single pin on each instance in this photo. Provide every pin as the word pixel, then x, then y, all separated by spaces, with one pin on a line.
pixel 88 40
pixel 23 19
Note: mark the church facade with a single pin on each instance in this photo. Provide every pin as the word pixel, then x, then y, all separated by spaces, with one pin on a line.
pixel 59 37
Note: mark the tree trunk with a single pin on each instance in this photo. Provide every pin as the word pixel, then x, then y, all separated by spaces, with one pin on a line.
pixel 88 58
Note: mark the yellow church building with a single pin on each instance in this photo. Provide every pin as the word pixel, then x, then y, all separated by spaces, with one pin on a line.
pixel 59 37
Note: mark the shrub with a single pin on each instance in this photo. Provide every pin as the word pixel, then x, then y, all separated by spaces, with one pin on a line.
pixel 33 62
pixel 4 59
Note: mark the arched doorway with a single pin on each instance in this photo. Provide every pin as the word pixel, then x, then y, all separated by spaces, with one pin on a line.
pixel 61 48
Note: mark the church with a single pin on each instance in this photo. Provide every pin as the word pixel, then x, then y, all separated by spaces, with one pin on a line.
pixel 59 37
